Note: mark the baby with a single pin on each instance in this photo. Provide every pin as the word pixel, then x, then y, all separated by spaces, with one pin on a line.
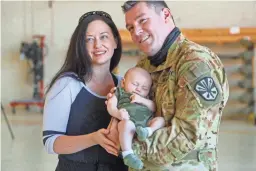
pixel 131 106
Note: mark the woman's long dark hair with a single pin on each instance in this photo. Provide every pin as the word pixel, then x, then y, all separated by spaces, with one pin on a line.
pixel 78 60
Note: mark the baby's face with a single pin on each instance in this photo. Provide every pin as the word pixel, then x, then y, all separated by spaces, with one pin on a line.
pixel 137 83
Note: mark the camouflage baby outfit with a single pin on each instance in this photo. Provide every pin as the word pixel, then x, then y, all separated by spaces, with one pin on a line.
pixel 139 114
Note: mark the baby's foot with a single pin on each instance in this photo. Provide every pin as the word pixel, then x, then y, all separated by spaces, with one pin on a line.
pixel 133 161
pixel 142 133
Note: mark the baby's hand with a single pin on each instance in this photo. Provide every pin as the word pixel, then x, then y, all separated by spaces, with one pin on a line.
pixel 135 98
pixel 124 115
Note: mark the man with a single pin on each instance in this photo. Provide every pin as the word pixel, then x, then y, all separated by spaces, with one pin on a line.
pixel 190 90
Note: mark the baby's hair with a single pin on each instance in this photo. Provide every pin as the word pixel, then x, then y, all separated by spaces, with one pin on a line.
pixel 144 72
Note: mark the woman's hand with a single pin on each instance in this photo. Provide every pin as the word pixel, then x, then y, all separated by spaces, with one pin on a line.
pixel 110 94
pixel 111 104
pixel 113 131
pixel 100 137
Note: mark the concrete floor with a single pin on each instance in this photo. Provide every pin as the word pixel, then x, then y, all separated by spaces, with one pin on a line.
pixel 237 145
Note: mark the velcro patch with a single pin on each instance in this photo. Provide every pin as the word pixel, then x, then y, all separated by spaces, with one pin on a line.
pixel 206 88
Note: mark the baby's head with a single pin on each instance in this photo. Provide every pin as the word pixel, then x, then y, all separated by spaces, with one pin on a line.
pixel 137 80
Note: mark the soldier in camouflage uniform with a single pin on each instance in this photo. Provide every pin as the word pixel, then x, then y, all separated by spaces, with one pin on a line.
pixel 190 90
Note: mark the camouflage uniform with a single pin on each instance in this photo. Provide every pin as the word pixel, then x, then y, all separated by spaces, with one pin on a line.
pixel 190 90
pixel 139 114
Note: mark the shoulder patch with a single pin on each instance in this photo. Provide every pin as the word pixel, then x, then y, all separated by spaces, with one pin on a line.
pixel 204 85
pixel 206 88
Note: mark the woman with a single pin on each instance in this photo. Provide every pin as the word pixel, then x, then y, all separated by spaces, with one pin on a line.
pixel 75 114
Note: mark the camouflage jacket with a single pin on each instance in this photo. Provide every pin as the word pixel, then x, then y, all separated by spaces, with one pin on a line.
pixel 190 90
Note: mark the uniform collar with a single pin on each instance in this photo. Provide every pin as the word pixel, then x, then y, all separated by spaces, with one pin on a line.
pixel 172 56
pixel 161 55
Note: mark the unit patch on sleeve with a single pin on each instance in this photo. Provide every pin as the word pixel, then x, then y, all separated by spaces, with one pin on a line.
pixel 206 88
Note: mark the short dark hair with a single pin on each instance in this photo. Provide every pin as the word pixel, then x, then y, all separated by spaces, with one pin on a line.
pixel 78 60
pixel 158 5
